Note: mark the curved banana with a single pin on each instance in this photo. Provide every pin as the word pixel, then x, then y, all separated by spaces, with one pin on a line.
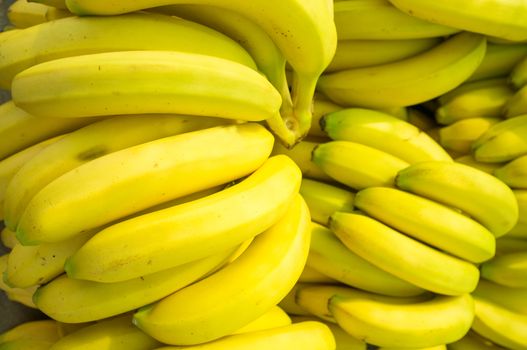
pixel 324 199
pixel 46 330
pixel 86 144
pixel 60 4
pixel 288 302
pixel 404 257
pixel 478 99
pixel 480 195
pixel 512 298
pixel 460 135
pixel 274 317
pixel 410 81
pixel 500 325
pixel 440 320
pixel 72 300
pixel 499 61
pixel 518 76
pixel 268 269
pixel 469 160
pixel 429 222
pixel 77 36
pixel 502 19
pixel 126 250
pixel 306 335
pixel 473 341
pixel 503 141
pixel 366 53
pixel 23 296
pixel 513 173
pixel 173 167
pixel 24 14
pixel 507 269
pixel 26 344
pixel 8 238
pixel 307 40
pixel 380 20
pixel 520 229
pixel 310 275
pixel 356 165
pixel 117 333
pixel 383 132
pixel 331 257
pixel 516 106
pixel 321 107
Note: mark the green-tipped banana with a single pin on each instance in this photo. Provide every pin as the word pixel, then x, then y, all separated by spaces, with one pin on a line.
pixel 499 61
pixel 429 222
pixel 410 81
pixel 383 132
pixel 460 135
pixel 330 256
pixel 356 165
pixel 243 290
pixel 499 18
pixel 480 195
pixel 503 141
pixel 514 173
pixel 512 298
pixel 404 257
pixel 507 269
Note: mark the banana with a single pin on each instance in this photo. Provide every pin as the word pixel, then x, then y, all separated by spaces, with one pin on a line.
pixel 356 165
pixel 404 257
pixel 60 4
pixel 125 250
pixel 380 20
pixel 310 275
pixel 513 173
pixel 473 341
pixel 383 132
pixel 510 244
pixel 26 344
pixel 301 155
pixel 308 42
pixel 46 330
pixel 429 222
pixel 8 238
pixel 274 317
pixel 500 325
pixel 518 76
pixel 499 61
pixel 440 320
pixel 503 141
pixel 469 160
pixel 288 302
pixel 410 81
pixel 77 36
pixel 86 144
pixel 507 269
pixel 324 199
pixel 12 164
pixel 321 107
pixel 331 257
pixel 268 269
pixel 517 104
pixel 480 195
pixel 186 161
pixel 23 296
pixel 460 135
pixel 116 333
pixel 19 130
pixel 520 229
pixel 23 14
pixel 307 335
pixel 479 99
pixel 73 301
pixel 497 18
pixel 512 298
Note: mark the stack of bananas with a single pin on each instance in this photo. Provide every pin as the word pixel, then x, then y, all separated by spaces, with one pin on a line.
pixel 278 174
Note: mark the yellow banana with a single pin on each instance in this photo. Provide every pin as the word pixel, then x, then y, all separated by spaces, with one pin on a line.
pixel 321 107
pixel 23 296
pixel 510 244
pixel 410 81
pixel 469 160
pixel 516 106
pixel 518 76
pixel 429 222
pixel 77 36
pixel 288 302
pixel 513 173
pixel 26 344
pixel 512 298
pixel 520 229
pixel 8 238
pixel 86 144
pixel 507 269
pixel 172 166
pixel 383 132
pixel 460 135
pixel 324 199
pixel 473 341
pixel 61 4
pixel 23 14
pixel 480 195
pixel 126 250
pixel 356 165
pixel 46 330
pixel 310 275
pixel 404 257
pixel 274 317
pixel 331 257
pixel 268 269
pixel 499 61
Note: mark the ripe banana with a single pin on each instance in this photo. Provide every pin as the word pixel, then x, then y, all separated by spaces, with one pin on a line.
pixel 288 302
pixel 518 76
pixel 512 298
pixel 126 250
pixel 60 4
pixel 23 296
pixel 307 335
pixel 268 269
pixel 517 104
pixel 507 269
pixel 478 194
pixel 8 238
pixel 23 14
pixel 440 320
pixel 404 257
pixel 383 132
pixel 500 325
pixel 46 330
pixel 321 107
pixel 274 317
pixel 310 275
pixel 330 256
pixel 72 300
pixel 429 222
pixel 499 61
pixel 473 341
pixel 26 344
pixel 380 20
pixel 469 160
pixel 76 36
pixel 117 333
pixel 86 144
pixel 460 135
pixel 510 244
pixel 172 166
pixel 324 199
pixel 410 81
pixel 513 173
pixel 356 165
pixel 502 19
